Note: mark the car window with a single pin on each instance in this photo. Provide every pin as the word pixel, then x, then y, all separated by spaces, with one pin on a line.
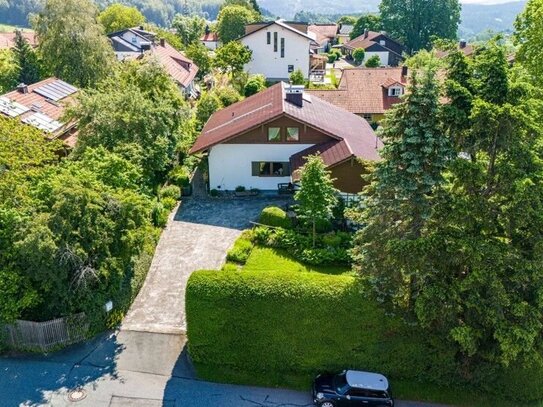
pixel 340 383
pixel 354 392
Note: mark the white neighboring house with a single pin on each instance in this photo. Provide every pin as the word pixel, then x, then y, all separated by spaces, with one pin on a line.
pixel 263 141
pixel 210 39
pixel 279 48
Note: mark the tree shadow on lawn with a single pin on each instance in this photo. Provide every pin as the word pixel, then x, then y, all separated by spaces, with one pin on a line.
pixel 31 379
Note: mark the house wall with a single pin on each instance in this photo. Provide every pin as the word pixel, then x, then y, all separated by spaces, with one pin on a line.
pixel 383 56
pixel 212 45
pixel 230 165
pixel 133 39
pixel 348 176
pixel 308 135
pixel 269 63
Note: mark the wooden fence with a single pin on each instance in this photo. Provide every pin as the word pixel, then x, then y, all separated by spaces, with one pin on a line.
pixel 48 335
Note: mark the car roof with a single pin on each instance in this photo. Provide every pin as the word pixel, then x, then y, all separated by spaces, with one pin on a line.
pixel 366 380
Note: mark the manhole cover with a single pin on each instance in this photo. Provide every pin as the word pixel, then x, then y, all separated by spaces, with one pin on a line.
pixel 77 395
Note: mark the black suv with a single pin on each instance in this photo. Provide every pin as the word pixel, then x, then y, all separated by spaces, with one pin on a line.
pixel 352 389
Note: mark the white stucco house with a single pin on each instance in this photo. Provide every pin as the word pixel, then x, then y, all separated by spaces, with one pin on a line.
pixel 279 48
pixel 263 141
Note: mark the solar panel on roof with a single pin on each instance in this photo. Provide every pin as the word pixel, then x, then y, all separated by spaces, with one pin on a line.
pixel 56 90
pixel 42 122
pixel 11 108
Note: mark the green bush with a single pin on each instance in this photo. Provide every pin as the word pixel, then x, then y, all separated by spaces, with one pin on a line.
pixel 254 85
pixel 159 215
pixel 170 191
pixel 275 216
pixel 214 193
pixel 281 324
pixel 240 251
pixel 168 203
pixel 240 188
pixel 180 176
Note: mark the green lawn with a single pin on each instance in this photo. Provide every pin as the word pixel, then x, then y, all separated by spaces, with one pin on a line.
pixel 269 259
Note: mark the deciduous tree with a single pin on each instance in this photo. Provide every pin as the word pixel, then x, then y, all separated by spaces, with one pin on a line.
pixel 118 16
pixel 232 20
pixel 72 43
pixel 189 28
pixel 232 57
pixel 371 22
pixel 529 37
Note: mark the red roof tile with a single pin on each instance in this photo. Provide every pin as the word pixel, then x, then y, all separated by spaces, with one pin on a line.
pixel 353 135
pixel 178 66
pixel 210 37
pixel 323 32
pixel 43 105
pixel 363 90
pixel 7 40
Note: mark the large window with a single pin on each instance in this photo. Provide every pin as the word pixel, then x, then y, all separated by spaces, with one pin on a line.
pixel 293 134
pixel 270 169
pixel 274 134
pixel 282 47
pixel 268 38
pixel 275 42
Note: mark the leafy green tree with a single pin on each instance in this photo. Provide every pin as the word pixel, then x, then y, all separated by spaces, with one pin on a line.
pixel 189 28
pixel 26 60
pixel 8 70
pixel 297 77
pixel 227 95
pixel 208 104
pixel 416 22
pixel 317 196
pixel 373 62
pixel 399 201
pixel 255 84
pixel 232 57
pixel 200 55
pixel 138 113
pixel 232 20
pixel 248 4
pixel 371 22
pixel 77 52
pixel 347 20
pixel 118 17
pixel 358 55
pixel 529 38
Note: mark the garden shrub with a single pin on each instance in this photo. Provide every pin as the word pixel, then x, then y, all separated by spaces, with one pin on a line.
pixel 168 203
pixel 159 215
pixel 214 193
pixel 240 252
pixel 180 176
pixel 275 216
pixel 170 191
pixel 240 188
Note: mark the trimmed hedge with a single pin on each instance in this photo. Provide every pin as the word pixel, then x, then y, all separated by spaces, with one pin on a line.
pixel 241 251
pixel 300 323
pixel 275 216
pixel 282 328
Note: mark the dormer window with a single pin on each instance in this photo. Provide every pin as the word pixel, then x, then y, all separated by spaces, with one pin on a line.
pixel 395 91
pixel 383 42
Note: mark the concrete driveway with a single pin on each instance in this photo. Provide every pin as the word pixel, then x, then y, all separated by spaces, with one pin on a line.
pixel 197 236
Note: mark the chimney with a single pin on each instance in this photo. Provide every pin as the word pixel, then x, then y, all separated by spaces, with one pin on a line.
pixel 366 32
pixel 162 42
pixel 22 88
pixel 295 94
pixel 405 71
pixel 463 44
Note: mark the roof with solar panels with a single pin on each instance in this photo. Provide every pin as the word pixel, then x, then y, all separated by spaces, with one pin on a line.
pixel 42 105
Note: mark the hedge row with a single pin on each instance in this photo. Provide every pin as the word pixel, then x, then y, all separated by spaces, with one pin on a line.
pixel 285 324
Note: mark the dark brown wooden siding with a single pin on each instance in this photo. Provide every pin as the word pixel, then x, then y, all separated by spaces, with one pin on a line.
pixel 259 135
pixel 348 176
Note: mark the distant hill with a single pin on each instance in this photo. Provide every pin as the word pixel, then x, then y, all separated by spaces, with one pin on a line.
pixel 476 18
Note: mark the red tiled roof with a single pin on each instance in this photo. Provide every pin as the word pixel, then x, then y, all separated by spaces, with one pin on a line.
pixel 350 135
pixel 363 90
pixel 178 66
pixel 468 50
pixel 210 37
pixel 7 40
pixel 323 32
pixel 362 41
pixel 50 108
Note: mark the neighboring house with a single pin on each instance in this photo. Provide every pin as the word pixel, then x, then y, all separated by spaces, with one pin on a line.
pixel 463 46
pixel 387 49
pixel 324 35
pixel 133 43
pixel 42 105
pixel 344 33
pixel 367 92
pixel 7 40
pixel 261 141
pixel 279 48
pixel 210 39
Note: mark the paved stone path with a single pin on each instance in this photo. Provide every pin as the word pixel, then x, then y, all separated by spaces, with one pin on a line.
pixel 198 235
